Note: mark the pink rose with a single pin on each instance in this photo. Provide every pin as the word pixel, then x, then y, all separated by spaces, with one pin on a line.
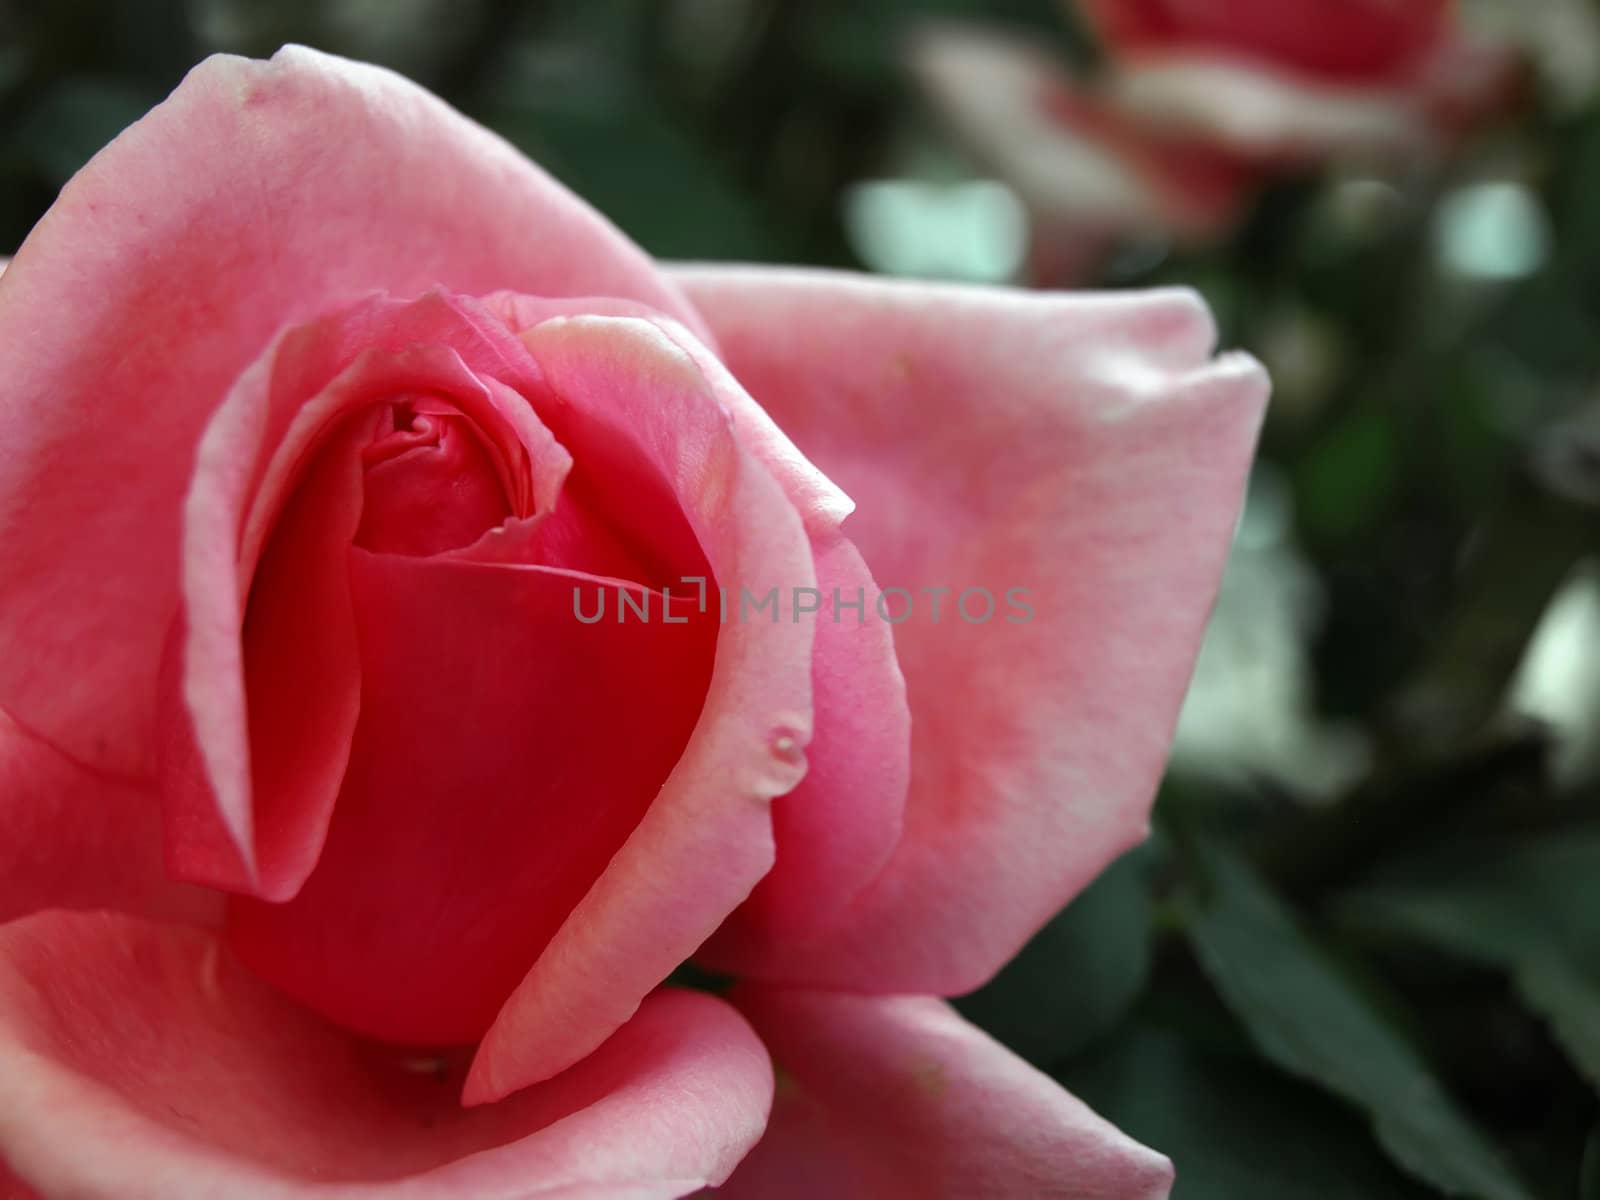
pixel 1298 80
pixel 328 422
pixel 1198 105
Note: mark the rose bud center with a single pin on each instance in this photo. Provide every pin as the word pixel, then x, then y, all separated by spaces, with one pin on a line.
pixel 429 482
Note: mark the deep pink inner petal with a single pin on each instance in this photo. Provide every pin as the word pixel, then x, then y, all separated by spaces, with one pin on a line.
pixel 260 687
pixel 505 749
pixel 298 651
pixel 430 486
pixel 300 655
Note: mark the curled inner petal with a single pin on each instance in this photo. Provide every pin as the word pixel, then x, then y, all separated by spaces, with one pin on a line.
pixel 429 485
pixel 504 751
pixel 415 437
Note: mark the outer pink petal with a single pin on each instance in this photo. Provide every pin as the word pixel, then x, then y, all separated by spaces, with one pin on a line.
pixel 836 829
pixel 75 838
pixel 898 1098
pixel 1084 447
pixel 618 386
pixel 142 1063
pixel 259 194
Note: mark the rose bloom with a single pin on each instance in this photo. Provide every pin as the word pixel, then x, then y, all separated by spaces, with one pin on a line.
pixel 1299 80
pixel 338 857
pixel 1198 105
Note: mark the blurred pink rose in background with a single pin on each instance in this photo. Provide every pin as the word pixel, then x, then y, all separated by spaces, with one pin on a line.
pixel 1197 106
pixel 323 409
pixel 1299 80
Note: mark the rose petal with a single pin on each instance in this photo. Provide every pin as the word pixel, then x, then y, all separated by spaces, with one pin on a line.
pixel 621 395
pixel 11 1188
pixel 1084 447
pixel 260 194
pixel 75 838
pixel 247 790
pixel 442 345
pixel 273 508
pixel 142 1062
pixel 836 829
pixel 434 489
pixel 898 1098
pixel 820 502
pixel 504 751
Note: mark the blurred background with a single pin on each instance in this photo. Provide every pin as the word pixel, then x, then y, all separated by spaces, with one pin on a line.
pixel 1361 957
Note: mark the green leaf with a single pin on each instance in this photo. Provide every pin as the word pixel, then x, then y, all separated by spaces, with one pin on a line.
pixel 1589 1176
pixel 1529 907
pixel 1344 483
pixel 1079 974
pixel 1234 1129
pixel 1306 1016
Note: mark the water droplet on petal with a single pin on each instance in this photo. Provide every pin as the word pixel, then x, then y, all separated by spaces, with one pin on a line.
pixel 786 747
pixel 787 761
